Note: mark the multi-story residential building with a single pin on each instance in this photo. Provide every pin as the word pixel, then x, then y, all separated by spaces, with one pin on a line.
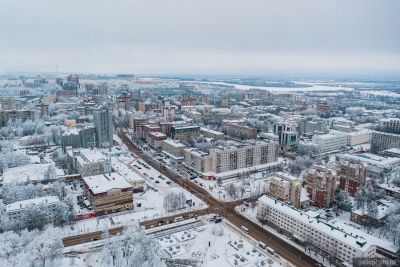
pixel 352 174
pixel 339 242
pixel 102 119
pixel 323 108
pixel 16 210
pixel 379 168
pixel 212 134
pixel 239 130
pixel 341 124
pixel 173 149
pixel 285 187
pixel 79 137
pixel 70 138
pixel 108 193
pixel 184 133
pixel 204 99
pixel 224 103
pixel 330 142
pixel 382 141
pixel 312 125
pixel 321 185
pixel 235 157
pixel 13 115
pixel 155 139
pixel 188 101
pixel 87 137
pixel 390 125
pixel 169 112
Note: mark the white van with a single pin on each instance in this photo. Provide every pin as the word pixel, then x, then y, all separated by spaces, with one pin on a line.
pixel 262 245
pixel 244 229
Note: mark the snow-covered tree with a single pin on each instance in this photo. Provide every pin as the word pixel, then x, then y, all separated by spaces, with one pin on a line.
pixel 32 248
pixel 174 201
pixel 133 249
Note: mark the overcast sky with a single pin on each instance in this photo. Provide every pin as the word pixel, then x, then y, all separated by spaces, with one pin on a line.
pixel 259 37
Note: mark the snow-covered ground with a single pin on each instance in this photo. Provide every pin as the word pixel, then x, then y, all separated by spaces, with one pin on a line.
pixel 312 87
pixel 204 244
pixel 255 184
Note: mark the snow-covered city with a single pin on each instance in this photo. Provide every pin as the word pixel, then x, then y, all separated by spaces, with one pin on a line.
pixel 199 133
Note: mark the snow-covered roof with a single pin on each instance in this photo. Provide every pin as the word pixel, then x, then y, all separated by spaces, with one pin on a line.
pixel 91 155
pixel 20 205
pixel 173 143
pixel 103 183
pixel 343 234
pixel 125 171
pixel 211 131
pixel 373 159
pixel 31 172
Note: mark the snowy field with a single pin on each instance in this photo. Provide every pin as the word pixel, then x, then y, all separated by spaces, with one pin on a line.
pixel 253 185
pixel 312 87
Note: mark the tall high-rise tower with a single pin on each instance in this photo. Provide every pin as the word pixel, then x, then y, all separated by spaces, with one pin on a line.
pixel 102 119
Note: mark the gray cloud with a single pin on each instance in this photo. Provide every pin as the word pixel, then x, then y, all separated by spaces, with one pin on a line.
pixel 178 36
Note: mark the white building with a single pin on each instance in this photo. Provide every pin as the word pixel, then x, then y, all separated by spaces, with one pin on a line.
pixel 338 242
pixel 173 148
pixel 330 142
pixel 16 209
pixel 88 162
pixel 356 137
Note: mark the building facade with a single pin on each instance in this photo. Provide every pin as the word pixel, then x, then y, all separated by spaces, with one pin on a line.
pixel 321 185
pixel 102 119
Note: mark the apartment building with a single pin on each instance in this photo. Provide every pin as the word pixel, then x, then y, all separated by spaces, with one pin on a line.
pixel 184 133
pixel 102 119
pixel 155 139
pixel 108 193
pixel 286 188
pixel 321 185
pixel 230 158
pixel 22 114
pixel 306 227
pixel 312 125
pixel 352 174
pixel 390 125
pixel 382 141
pixel 212 134
pixel 239 130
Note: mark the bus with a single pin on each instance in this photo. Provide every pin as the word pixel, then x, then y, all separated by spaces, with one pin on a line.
pixel 262 245
pixel 244 229
pixel 270 251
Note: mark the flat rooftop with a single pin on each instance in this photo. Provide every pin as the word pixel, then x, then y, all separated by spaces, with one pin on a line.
pixel 103 183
